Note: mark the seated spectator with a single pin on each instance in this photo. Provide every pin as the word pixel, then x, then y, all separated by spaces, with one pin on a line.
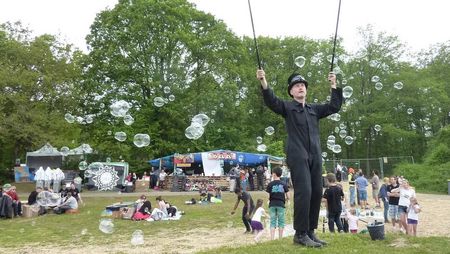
pixel 69 204
pixel 160 212
pixel 73 191
pixel 32 198
pixel 218 193
pixel 6 208
pixel 143 209
pixel 17 205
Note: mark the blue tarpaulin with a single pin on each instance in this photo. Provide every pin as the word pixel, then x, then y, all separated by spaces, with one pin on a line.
pixel 241 158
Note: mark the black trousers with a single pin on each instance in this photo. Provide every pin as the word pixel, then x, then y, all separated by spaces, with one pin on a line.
pixel 306 175
pixel 245 220
pixel 260 182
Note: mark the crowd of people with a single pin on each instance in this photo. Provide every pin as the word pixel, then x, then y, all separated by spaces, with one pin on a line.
pixel 41 200
pixel 394 196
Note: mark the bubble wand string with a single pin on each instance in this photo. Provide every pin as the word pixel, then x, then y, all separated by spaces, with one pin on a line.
pixel 254 35
pixel 335 37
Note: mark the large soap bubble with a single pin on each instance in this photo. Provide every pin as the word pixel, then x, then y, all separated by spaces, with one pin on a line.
pixel 398 85
pixel 128 120
pixel 259 140
pixel 270 130
pixel 159 102
pixel 348 140
pixel 375 79
pixel 377 127
pixel 69 118
pixel 82 165
pixel 300 61
pixel 137 238
pixel 337 148
pixel 347 92
pixel 203 119
pixel 141 140
pixel 261 148
pixel 106 226
pixel 119 108
pixel 378 86
pixel 120 136
pixel 64 150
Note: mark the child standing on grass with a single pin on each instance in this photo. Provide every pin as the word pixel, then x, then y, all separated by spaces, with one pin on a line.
pixel 352 221
pixel 278 194
pixel 333 195
pixel 413 216
pixel 257 226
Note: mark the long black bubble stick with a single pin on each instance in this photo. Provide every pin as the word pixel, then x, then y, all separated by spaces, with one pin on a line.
pixel 335 37
pixel 254 36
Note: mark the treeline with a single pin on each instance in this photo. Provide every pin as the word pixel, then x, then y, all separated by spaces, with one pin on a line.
pixel 145 49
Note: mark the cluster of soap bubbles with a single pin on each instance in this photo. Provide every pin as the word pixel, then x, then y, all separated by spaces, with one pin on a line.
pixel 269 130
pixel 331 144
pixel 335 117
pixel 81 120
pixel 197 127
pixel 120 108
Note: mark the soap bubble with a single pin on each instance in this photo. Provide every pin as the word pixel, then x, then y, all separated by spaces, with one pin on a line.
pixel 324 154
pixel 375 79
pixel 270 130
pixel 259 140
pixel 119 108
pixel 171 97
pixel 128 120
pixel 378 86
pixel 137 238
pixel 64 150
pixel 106 226
pixel 141 140
pixel 337 149
pixel 342 133
pixel 347 92
pixel 82 165
pixel 158 102
pixel 377 127
pixel 409 111
pixel 261 148
pixel 398 85
pixel 89 119
pixel 120 136
pixel 300 61
pixel 348 140
pixel 201 118
pixel 166 90
pixel 69 118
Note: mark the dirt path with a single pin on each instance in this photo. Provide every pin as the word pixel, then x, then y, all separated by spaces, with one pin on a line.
pixel 433 221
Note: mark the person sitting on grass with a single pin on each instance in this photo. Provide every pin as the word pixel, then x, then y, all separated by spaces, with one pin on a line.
pixel 69 204
pixel 17 205
pixel 248 208
pixel 143 209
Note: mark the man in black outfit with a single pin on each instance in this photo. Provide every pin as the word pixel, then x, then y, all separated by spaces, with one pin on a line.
pixel 248 208
pixel 303 152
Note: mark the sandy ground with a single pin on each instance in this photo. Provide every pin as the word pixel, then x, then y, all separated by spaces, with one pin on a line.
pixel 434 221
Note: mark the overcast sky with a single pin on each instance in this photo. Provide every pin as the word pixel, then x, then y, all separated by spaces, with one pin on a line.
pixel 417 23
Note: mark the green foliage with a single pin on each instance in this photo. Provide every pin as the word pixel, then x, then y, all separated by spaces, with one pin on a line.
pixel 140 47
pixel 426 178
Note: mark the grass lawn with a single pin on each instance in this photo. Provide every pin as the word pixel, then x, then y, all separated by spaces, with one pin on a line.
pixel 198 229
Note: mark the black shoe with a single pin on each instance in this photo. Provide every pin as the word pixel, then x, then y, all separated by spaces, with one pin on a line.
pixel 313 237
pixel 304 240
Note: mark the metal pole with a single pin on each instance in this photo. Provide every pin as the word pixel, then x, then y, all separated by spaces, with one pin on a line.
pixel 335 37
pixel 254 35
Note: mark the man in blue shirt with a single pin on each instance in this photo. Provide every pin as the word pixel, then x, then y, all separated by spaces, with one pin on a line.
pixel 361 185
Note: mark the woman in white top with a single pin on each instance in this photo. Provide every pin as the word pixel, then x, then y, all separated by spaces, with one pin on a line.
pixel 256 224
pixel 406 193
pixel 413 216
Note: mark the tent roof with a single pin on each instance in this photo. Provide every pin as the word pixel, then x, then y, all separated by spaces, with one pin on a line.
pixel 242 158
pixel 46 150
pixel 80 151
